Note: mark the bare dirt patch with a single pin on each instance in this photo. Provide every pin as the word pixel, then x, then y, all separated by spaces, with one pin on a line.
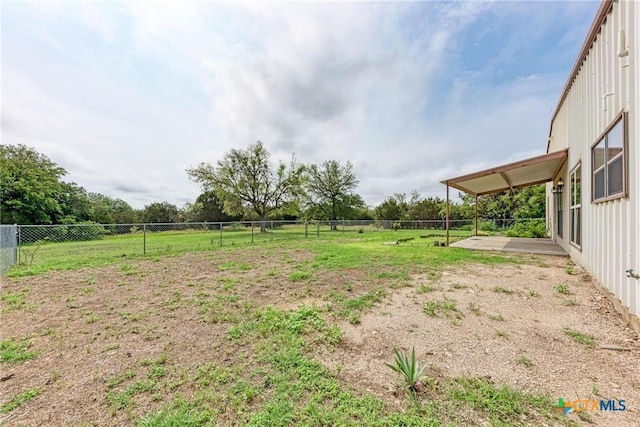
pixel 508 324
pixel 115 343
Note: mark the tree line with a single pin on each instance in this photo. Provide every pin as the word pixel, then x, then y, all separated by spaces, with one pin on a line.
pixel 244 185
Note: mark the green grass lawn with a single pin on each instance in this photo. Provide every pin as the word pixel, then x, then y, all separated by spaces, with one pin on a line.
pixel 44 256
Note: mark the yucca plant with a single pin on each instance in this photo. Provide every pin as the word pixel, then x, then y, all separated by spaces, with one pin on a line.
pixel 408 367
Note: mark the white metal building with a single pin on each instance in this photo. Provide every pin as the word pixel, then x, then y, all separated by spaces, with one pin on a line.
pixel 592 165
pixel 593 203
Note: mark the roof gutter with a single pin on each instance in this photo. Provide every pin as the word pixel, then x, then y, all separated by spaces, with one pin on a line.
pixel 601 17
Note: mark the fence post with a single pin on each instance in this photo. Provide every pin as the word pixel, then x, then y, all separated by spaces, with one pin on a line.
pixel 343 226
pixel 272 231
pixel 15 251
pixel 18 245
pixel 144 239
pixel 221 234
pixel 251 231
pixel 306 229
pixel 318 229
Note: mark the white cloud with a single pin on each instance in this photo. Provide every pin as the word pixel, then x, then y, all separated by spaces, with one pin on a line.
pixel 127 95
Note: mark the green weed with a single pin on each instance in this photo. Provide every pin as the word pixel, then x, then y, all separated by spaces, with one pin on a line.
pixel 446 307
pixel 423 289
pixel 14 301
pixel 20 399
pixel 569 269
pixel 297 276
pixel 525 361
pixel 119 379
pixel 579 337
pixel 181 413
pixel 12 351
pixel 501 405
pixel 474 308
pixel 501 290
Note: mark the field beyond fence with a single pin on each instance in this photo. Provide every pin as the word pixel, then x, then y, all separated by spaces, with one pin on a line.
pixel 37 248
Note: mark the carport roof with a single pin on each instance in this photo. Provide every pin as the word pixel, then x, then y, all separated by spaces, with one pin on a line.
pixel 535 170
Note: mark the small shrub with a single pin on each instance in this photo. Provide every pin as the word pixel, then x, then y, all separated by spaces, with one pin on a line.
pixel 486 226
pixel 531 228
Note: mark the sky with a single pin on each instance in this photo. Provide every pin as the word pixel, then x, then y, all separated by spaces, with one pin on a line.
pixel 127 95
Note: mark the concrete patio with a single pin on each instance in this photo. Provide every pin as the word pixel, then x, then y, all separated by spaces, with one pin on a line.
pixel 511 244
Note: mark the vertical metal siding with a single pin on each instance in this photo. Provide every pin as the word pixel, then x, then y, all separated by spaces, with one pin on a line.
pixel 611 230
pixel 632 85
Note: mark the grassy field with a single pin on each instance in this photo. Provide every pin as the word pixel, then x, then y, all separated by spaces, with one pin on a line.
pixel 230 335
pixel 44 256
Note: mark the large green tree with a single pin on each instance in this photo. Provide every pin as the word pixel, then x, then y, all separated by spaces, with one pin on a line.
pixel 163 212
pixel 108 210
pixel 75 204
pixel 206 208
pixel 393 208
pixel 212 208
pixel 247 182
pixel 330 191
pixel 31 189
pixel 526 202
pixel 427 208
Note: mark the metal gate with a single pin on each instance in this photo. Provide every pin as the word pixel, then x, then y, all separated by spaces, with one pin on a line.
pixel 8 247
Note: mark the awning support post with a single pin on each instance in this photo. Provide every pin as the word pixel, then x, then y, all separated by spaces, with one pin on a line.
pixel 476 215
pixel 447 216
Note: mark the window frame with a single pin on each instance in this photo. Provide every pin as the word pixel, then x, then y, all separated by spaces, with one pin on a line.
pixel 621 118
pixel 575 209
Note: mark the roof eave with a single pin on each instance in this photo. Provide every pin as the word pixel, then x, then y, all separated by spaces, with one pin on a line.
pixel 601 17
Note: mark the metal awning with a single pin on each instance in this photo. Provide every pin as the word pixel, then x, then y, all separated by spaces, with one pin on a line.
pixel 535 170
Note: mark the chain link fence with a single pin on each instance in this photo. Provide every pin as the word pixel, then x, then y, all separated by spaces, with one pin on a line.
pixel 34 245
pixel 8 247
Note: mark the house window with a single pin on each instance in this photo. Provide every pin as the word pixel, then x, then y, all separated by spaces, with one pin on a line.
pixel 608 163
pixel 576 205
